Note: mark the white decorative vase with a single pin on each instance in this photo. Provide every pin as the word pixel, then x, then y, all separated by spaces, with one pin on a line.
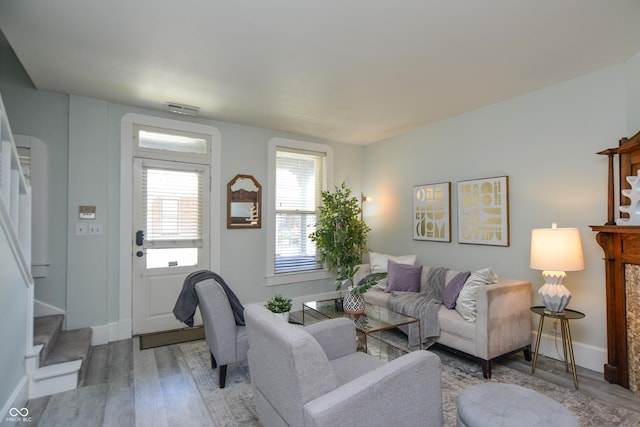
pixel 353 304
pixel 633 208
pixel 283 316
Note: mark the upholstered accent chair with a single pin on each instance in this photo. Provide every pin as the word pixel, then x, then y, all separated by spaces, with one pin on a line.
pixel 227 341
pixel 313 376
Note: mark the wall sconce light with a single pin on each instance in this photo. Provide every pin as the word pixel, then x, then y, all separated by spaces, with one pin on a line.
pixel 556 250
pixel 363 199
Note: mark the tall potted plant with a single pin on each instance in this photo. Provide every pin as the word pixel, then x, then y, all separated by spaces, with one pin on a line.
pixel 341 238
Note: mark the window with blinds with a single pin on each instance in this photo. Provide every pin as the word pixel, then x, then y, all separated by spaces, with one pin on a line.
pixel 172 215
pixel 300 178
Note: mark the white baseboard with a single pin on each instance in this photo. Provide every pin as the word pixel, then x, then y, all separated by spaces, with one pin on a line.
pixel 298 301
pixel 121 330
pixel 115 331
pixel 43 309
pixel 100 335
pixel 585 355
pixel 17 400
pixel 125 328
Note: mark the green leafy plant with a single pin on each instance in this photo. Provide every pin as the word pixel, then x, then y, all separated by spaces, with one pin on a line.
pixel 279 304
pixel 366 282
pixel 340 236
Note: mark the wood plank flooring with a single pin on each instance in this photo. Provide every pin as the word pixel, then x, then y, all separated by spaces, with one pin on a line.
pixel 590 383
pixel 126 386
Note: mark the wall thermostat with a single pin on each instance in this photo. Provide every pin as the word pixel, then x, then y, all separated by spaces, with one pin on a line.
pixel 87 212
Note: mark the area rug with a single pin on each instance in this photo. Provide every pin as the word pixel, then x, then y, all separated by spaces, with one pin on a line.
pixel 233 405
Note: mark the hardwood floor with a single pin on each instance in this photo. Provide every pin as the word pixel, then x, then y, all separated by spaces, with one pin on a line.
pixel 125 386
pixel 590 382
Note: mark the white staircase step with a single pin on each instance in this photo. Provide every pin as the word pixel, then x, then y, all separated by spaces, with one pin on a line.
pixel 63 356
pixel 54 379
pixel 46 330
pixel 71 345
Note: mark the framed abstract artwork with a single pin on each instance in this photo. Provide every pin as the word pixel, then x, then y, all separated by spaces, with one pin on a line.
pixel 483 211
pixel 432 212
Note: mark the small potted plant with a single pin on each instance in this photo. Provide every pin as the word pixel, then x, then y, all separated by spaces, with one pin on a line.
pixel 280 306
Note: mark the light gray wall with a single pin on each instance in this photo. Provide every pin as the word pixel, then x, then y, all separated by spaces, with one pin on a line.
pixel 94 167
pixel 83 139
pixel 44 115
pixel 13 323
pixel 546 143
pixel 632 80
pixel 87 256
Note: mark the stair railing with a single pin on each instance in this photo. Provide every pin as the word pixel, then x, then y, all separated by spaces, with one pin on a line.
pixel 15 198
pixel 15 213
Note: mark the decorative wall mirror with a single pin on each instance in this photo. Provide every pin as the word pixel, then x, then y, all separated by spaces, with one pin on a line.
pixel 244 202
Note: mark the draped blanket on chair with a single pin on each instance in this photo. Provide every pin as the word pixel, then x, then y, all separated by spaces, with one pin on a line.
pixel 187 301
pixel 424 305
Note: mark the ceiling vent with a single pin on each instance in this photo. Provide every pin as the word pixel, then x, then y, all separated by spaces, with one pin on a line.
pixel 186 110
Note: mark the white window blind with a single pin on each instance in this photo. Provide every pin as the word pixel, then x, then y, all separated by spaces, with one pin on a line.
pixel 300 178
pixel 172 206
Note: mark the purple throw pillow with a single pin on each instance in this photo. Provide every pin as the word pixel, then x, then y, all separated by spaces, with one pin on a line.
pixel 453 288
pixel 403 277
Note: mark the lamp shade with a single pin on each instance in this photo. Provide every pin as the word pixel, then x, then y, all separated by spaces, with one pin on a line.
pixel 556 249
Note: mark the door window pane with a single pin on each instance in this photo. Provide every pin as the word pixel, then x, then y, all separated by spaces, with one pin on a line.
pixel 171 257
pixel 172 204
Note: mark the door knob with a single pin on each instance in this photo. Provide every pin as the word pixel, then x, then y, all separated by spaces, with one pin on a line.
pixel 139 254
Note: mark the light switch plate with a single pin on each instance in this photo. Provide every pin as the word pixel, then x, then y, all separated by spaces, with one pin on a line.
pixel 81 229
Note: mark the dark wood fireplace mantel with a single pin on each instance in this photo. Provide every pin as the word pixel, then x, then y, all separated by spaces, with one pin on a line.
pixel 621 245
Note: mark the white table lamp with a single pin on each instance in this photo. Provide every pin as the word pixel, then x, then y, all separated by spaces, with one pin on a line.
pixel 556 250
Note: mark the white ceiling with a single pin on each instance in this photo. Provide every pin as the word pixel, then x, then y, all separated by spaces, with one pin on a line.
pixel 354 71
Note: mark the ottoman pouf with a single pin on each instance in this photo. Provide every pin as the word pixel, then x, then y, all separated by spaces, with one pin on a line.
pixel 508 405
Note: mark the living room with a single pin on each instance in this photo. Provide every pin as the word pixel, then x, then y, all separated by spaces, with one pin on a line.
pixel 545 141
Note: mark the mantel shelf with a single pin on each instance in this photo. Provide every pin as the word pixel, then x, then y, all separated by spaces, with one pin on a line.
pixel 616 228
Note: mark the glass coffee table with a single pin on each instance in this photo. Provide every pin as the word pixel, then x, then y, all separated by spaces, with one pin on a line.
pixel 371 323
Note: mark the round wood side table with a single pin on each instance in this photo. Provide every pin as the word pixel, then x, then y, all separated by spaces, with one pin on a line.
pixel 567 345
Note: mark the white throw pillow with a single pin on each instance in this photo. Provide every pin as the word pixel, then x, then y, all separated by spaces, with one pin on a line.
pixel 466 302
pixel 380 263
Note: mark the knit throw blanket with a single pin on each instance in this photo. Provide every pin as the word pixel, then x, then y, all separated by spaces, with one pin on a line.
pixel 424 305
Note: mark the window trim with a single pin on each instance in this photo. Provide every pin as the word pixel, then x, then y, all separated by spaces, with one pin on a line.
pixel 162 154
pixel 297 276
pixel 124 327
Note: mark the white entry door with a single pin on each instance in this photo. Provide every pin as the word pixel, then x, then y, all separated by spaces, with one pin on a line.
pixel 170 237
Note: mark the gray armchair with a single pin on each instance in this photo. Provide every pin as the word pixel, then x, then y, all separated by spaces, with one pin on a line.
pixel 227 341
pixel 313 376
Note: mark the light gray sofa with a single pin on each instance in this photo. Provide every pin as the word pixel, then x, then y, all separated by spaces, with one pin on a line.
pixel 313 376
pixel 502 326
